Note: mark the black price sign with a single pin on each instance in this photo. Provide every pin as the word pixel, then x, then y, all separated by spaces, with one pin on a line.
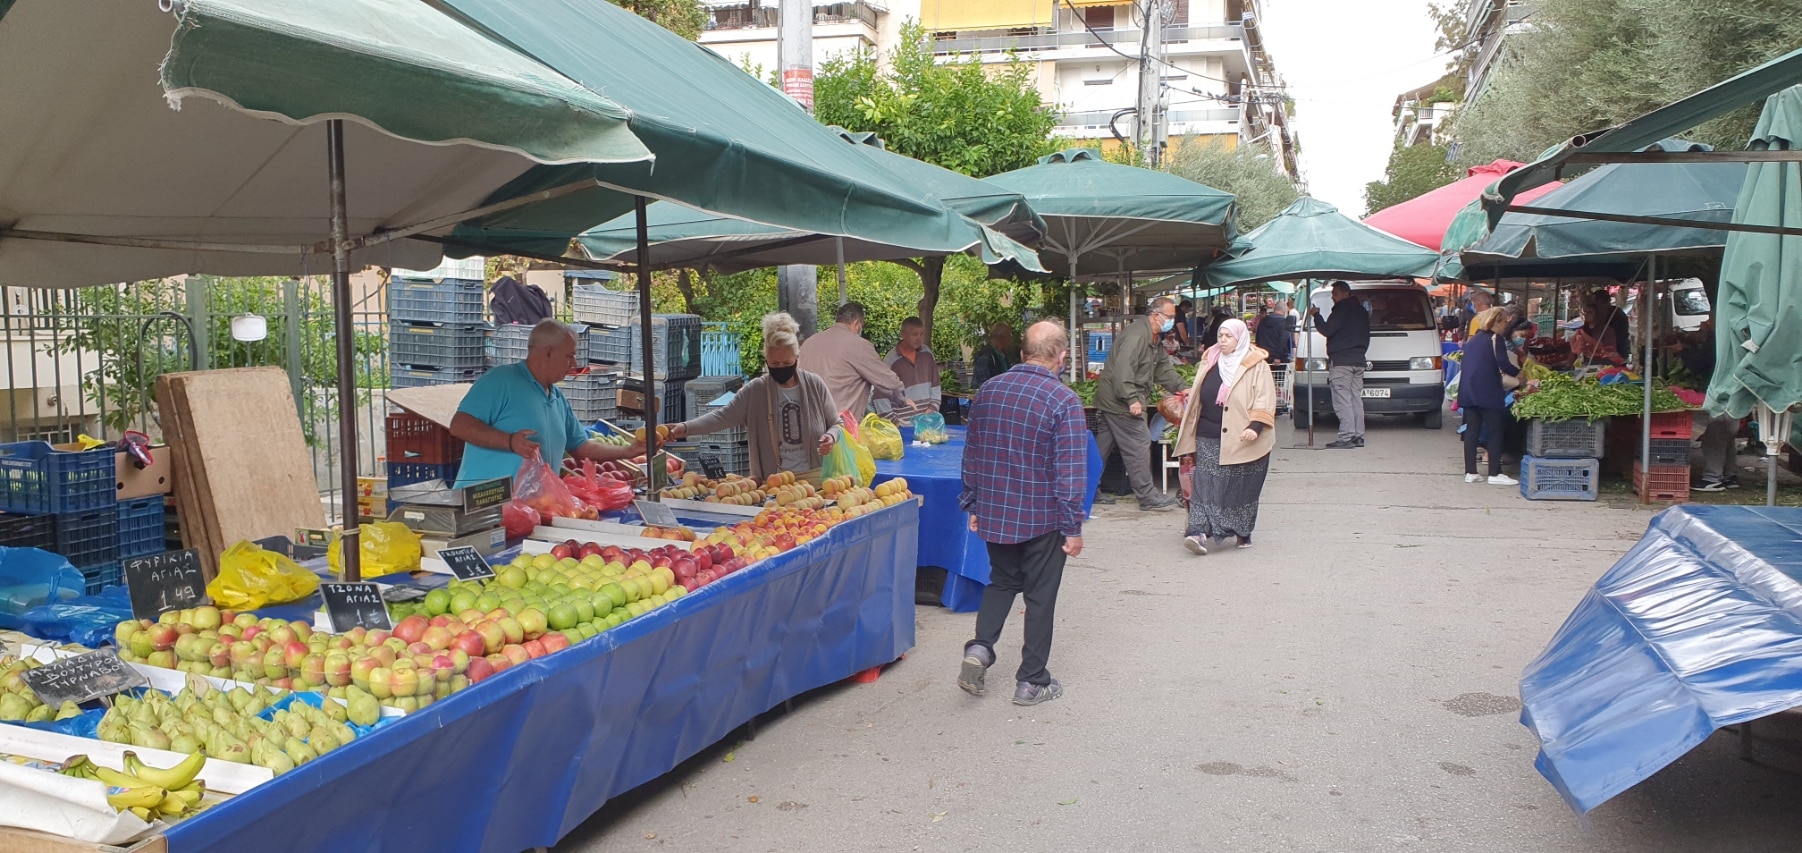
pixel 159 583
pixel 656 514
pixel 349 605
pixel 710 466
pixel 489 494
pixel 81 678
pixel 466 563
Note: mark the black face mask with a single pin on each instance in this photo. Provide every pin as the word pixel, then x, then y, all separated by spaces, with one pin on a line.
pixel 783 375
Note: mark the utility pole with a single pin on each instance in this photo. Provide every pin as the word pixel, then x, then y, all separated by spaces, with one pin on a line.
pixel 797 286
pixel 1148 120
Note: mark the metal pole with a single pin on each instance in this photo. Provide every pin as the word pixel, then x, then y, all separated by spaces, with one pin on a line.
pixel 347 375
pixel 1308 332
pixel 1076 351
pixel 1645 370
pixel 843 295
pixel 654 472
pixel 797 289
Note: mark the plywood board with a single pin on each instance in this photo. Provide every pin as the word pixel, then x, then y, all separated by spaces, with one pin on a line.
pixel 187 502
pixel 435 403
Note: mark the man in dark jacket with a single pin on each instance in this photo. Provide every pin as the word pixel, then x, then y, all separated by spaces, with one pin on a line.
pixel 1347 334
pixel 1272 333
pixel 1135 365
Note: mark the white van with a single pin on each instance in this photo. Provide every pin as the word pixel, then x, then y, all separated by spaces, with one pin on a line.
pixel 1405 372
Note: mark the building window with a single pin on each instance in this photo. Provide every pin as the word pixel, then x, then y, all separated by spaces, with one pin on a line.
pixel 1180 8
pixel 1105 81
pixel 1098 17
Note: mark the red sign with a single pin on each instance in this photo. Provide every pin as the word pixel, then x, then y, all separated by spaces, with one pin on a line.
pixel 797 83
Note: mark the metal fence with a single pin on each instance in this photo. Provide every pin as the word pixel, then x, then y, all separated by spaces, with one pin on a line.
pixel 85 361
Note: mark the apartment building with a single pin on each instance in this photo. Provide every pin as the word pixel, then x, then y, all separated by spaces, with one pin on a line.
pixel 744 31
pixel 1421 114
pixel 1488 26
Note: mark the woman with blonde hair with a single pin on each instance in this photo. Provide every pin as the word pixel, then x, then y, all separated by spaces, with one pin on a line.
pixel 1485 376
pixel 1229 425
pixel 787 412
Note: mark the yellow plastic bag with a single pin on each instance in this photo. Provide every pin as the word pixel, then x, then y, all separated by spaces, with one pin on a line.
pixel 386 547
pixel 251 577
pixel 882 438
pixel 848 458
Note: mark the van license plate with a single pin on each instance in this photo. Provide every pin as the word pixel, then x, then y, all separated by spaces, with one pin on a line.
pixel 1379 393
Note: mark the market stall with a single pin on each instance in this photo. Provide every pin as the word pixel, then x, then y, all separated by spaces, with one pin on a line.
pixel 935 473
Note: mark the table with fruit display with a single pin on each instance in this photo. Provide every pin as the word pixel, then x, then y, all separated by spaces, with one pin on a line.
pixel 626 646
pixel 935 473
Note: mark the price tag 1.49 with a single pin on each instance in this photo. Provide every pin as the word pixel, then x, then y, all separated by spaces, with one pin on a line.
pixel 349 605
pixel 466 563
pixel 82 677
pixel 159 583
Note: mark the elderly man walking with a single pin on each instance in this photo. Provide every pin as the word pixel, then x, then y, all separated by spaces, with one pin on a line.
pixel 1025 470
pixel 1135 365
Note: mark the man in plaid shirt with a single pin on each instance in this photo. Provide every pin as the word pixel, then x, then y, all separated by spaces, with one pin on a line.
pixel 1025 472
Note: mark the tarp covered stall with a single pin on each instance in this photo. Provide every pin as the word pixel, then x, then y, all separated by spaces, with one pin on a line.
pixel 1312 239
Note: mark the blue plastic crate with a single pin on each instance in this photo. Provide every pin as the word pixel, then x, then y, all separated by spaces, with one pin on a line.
pixel 39 479
pixel 592 395
pixel 1099 344
pixel 437 346
pixel 408 473
pixel 1559 479
pixel 719 351
pixel 102 576
pixel 141 526
pixel 451 300
pixel 88 538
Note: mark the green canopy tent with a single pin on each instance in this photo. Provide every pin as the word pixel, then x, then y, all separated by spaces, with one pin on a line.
pixel 1101 215
pixel 1758 366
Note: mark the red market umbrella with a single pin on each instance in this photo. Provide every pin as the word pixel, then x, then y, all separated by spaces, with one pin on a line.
pixel 1424 218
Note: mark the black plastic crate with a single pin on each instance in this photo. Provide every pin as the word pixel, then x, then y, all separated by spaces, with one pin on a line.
pixel 448 301
pixel 89 538
pixel 611 346
pixel 102 576
pixel 36 478
pixel 1665 451
pixel 141 526
pixel 437 346
pixel 1572 439
pixel 28 531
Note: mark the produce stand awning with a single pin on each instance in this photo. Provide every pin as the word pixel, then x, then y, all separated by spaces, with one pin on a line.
pixel 1697 628
pixel 1425 218
pixel 1738 91
pixel 1760 301
pixel 1312 239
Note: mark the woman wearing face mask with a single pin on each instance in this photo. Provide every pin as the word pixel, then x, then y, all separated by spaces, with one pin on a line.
pixel 1230 427
pixel 787 412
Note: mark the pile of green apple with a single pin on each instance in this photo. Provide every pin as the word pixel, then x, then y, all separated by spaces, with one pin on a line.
pixel 576 599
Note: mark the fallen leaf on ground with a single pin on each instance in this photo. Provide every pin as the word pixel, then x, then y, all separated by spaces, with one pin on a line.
pixel 730 756
pixel 938 816
pixel 751 799
pixel 1070 802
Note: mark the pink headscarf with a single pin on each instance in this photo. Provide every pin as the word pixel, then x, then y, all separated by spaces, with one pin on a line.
pixel 1228 361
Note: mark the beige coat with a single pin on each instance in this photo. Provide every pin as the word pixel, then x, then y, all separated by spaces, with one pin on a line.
pixel 1251 400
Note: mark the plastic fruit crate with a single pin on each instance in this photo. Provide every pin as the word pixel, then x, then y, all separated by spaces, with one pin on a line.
pixel 408 473
pixel 102 576
pixel 1559 479
pixel 733 456
pixel 88 538
pixel 1672 425
pixel 676 340
pixel 1666 451
pixel 437 346
pixel 28 531
pixel 1661 482
pixel 141 526
pixel 705 389
pixel 402 377
pixel 511 343
pixel 675 400
pixel 592 303
pixel 592 396
pixel 39 479
pixel 448 301
pixel 1572 439
pixel 412 438
pixel 611 346
pixel 719 351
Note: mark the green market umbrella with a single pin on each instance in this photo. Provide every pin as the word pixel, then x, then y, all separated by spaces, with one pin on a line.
pixel 1312 239
pixel 1759 307
pixel 1106 219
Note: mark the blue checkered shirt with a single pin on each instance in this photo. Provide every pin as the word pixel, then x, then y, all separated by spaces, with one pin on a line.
pixel 1026 457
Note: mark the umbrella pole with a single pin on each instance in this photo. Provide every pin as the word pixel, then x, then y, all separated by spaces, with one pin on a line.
pixel 1074 351
pixel 1645 370
pixel 843 296
pixel 1308 332
pixel 347 376
pixel 654 470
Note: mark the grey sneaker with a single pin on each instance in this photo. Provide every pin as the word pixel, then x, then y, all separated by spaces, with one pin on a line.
pixel 973 677
pixel 1196 545
pixel 1159 505
pixel 1027 693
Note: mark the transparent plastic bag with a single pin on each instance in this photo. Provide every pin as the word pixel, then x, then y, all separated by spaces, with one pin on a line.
pixel 251 577
pixel 848 456
pixel 537 485
pixel 930 428
pixel 882 438
pixel 384 547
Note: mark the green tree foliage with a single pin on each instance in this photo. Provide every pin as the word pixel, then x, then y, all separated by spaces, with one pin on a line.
pixel 1245 171
pixel 1589 64
pixel 1412 170
pixel 110 323
pixel 686 18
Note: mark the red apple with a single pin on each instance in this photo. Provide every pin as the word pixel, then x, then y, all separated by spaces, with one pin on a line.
pixel 704 578
pixel 534 648
pixel 440 621
pixel 499 662
pixel 554 642
pixel 516 654
pixel 293 653
pixel 337 668
pixel 302 631
pixel 493 636
pixel 384 655
pixel 358 635
pixel 251 632
pixel 376 638
pixel 471 616
pixel 479 670
pixel 459 661
pixel 420 648
pixel 533 621
pixel 411 628
pixel 163 637
pixel 438 637
pixel 470 643
pixel 281 635
pixel 283 683
pixel 591 549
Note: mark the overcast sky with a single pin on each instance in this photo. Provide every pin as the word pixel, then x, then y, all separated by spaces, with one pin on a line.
pixel 1345 62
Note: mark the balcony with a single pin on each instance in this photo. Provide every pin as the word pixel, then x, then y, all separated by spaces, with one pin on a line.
pixel 750 17
pixel 1127 40
pixel 1095 123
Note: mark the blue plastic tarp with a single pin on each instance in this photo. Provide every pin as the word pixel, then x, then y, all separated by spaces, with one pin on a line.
pixel 936 474
pixel 1698 627
pixel 519 760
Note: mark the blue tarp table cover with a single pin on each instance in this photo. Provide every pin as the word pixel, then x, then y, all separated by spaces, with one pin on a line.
pixel 1698 627
pixel 936 474
pixel 520 760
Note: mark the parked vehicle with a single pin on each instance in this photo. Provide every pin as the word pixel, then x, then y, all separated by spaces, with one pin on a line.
pixel 1404 374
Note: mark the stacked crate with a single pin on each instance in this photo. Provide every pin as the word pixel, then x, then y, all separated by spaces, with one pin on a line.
pixel 1665 476
pixel 436 332
pixel 730 447
pixel 592 395
pixel 1563 461
pixel 418 451
pixel 63 501
pixel 509 344
pixel 719 351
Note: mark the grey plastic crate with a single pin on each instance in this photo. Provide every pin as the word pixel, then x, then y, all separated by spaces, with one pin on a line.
pixel 509 343
pixel 611 346
pixel 592 396
pixel 676 338
pixel 448 301
pixel 401 377
pixel 418 345
pixel 705 389
pixel 1572 439
pixel 592 303
pixel 734 457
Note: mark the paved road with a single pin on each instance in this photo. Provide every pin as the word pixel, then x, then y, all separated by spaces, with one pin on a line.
pixel 1347 685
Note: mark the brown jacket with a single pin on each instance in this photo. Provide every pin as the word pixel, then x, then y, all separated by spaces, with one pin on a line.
pixel 1251 400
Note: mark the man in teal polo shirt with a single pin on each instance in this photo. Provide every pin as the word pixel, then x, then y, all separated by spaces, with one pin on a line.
pixel 516 411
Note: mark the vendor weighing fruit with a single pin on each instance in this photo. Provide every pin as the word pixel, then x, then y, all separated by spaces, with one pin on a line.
pixel 787 412
pixel 515 411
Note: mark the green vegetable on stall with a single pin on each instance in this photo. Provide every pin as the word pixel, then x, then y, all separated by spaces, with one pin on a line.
pixel 1561 398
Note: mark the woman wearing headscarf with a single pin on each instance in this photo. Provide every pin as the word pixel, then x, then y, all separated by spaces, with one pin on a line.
pixel 1230 427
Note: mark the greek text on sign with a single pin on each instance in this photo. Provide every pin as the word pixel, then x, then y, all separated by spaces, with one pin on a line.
pixel 349 605
pixel 159 583
pixel 82 677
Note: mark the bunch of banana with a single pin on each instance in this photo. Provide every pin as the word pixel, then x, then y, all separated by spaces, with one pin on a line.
pixel 147 792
